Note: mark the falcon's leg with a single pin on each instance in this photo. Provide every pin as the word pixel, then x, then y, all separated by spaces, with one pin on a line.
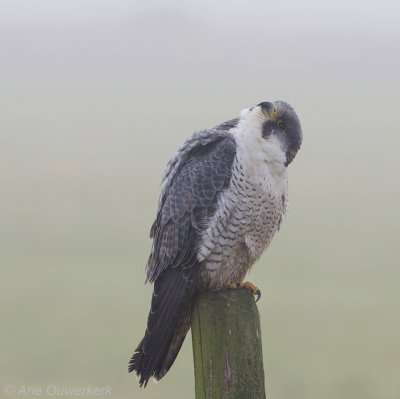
pixel 247 284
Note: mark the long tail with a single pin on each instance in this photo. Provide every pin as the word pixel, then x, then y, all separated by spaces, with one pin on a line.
pixel 167 324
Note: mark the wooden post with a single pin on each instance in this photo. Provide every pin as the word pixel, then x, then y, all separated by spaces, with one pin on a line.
pixel 227 352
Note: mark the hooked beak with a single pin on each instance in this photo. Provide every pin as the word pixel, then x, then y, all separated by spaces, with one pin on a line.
pixel 269 110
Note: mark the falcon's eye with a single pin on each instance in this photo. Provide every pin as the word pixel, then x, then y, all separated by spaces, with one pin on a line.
pixel 281 124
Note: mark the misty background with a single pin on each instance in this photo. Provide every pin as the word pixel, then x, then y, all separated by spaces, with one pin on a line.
pixel 96 96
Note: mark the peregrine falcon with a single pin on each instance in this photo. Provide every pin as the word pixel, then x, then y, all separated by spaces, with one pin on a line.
pixel 223 197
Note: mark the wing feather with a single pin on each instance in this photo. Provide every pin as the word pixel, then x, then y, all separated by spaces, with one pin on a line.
pixel 192 183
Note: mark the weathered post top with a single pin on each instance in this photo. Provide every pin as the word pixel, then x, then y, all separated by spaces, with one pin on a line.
pixel 227 351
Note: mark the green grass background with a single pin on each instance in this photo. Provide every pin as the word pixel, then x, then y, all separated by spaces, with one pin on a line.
pixel 80 174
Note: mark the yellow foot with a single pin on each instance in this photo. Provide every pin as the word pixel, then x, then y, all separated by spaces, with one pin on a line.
pixel 246 284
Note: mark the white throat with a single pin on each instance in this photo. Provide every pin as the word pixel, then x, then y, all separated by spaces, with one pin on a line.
pixel 264 154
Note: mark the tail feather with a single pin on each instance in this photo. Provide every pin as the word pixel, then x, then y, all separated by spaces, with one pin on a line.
pixel 179 335
pixel 167 324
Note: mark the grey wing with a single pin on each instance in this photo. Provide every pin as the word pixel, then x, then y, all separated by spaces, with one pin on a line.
pixel 227 125
pixel 193 180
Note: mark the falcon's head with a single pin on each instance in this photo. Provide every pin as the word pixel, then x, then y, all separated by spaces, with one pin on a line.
pixel 274 126
pixel 282 123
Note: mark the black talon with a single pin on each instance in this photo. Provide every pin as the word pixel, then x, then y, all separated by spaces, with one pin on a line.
pixel 258 293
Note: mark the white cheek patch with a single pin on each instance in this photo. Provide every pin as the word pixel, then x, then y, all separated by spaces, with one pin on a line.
pixel 273 150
